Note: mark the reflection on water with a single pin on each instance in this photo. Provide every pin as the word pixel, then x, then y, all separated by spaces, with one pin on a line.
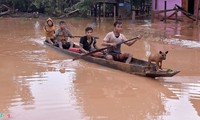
pixel 147 48
pixel 37 28
pixel 183 43
pixel 39 83
pixel 116 97
pixel 53 92
pixel 187 90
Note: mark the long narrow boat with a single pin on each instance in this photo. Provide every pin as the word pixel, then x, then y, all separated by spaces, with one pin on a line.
pixel 137 66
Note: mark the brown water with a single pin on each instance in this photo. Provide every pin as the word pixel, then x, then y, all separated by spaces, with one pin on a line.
pixel 38 83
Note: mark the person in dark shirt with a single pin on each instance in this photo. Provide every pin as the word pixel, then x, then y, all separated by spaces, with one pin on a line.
pixel 88 43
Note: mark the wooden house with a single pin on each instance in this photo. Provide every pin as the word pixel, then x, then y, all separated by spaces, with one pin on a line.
pixel 110 8
pixel 190 6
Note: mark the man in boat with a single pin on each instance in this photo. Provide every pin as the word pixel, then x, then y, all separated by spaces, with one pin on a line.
pixel 63 35
pixel 112 39
pixel 88 43
pixel 49 30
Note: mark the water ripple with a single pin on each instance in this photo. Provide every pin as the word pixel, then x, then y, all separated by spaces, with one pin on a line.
pixel 183 43
pixel 185 86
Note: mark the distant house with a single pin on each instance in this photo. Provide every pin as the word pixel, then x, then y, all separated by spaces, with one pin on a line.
pixel 124 8
pixel 188 5
pixel 106 8
pixel 159 5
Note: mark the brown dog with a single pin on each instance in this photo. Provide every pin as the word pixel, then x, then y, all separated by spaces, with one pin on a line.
pixel 157 58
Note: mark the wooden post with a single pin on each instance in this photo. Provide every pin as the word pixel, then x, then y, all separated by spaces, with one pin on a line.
pixel 114 13
pixel 197 17
pixel 95 10
pixel 152 15
pixel 156 4
pixel 117 9
pixel 133 16
pixel 165 13
pixel 99 10
pixel 104 9
pixel 176 14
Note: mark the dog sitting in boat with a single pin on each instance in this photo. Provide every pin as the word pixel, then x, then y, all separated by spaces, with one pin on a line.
pixel 157 58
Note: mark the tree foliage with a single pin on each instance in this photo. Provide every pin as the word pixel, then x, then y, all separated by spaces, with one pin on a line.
pixel 51 7
pixel 84 6
pixel 58 7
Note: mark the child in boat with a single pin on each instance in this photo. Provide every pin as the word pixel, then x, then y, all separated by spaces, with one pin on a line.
pixel 88 43
pixel 62 36
pixel 114 37
pixel 49 30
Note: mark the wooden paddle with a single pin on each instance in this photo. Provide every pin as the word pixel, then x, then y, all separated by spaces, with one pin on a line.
pixel 98 50
pixel 81 36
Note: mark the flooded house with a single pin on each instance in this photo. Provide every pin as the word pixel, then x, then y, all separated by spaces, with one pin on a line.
pixel 111 8
pixel 120 8
pixel 191 6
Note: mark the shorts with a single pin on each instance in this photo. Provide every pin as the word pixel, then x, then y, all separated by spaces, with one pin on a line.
pixel 117 57
pixel 66 45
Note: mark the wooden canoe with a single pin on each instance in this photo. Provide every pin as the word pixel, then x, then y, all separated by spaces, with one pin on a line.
pixel 137 66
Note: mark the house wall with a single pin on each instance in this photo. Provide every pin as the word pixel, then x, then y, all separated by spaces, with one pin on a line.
pixel 185 5
pixel 195 7
pixel 125 10
pixel 170 5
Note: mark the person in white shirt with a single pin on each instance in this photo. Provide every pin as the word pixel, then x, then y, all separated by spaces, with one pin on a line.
pixel 112 39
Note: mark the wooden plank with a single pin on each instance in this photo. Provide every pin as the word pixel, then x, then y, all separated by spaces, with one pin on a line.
pixel 165 13
pixel 171 15
pixel 114 13
pixel 162 11
pixel 189 16
pixel 4 13
pixel 72 12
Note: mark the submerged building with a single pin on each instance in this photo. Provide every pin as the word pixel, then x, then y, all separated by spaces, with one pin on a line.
pixel 120 8
pixel 190 6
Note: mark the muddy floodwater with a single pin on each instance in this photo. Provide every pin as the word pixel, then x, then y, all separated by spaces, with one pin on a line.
pixel 38 83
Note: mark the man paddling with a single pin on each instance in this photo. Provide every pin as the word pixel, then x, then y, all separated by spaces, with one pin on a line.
pixel 112 39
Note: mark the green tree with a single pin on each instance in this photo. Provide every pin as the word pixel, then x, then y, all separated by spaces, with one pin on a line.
pixel 21 5
pixel 84 6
